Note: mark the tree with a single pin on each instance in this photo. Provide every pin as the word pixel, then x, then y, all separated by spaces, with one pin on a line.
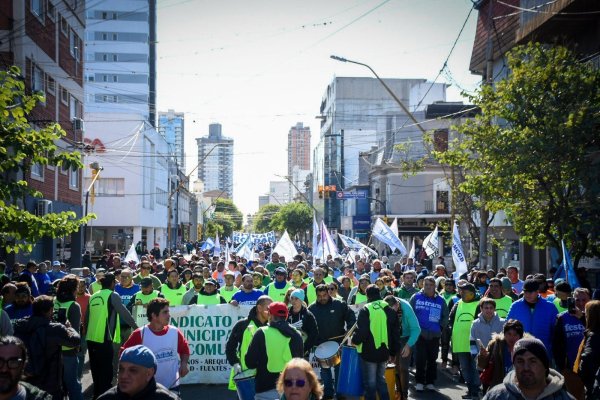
pixel 533 151
pixel 295 217
pixel 264 216
pixel 225 219
pixel 21 147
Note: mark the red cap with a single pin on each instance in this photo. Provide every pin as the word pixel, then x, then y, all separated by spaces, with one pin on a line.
pixel 278 309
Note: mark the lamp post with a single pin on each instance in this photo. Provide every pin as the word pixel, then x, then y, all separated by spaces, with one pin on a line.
pixel 96 168
pixel 382 203
pixel 402 106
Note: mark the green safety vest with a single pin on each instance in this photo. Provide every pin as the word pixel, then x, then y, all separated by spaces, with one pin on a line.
pixel 175 296
pixel 448 297
pixel 278 349
pixel 228 294
pixel 246 339
pixel 98 318
pixel 311 293
pixel 145 298
pixel 63 306
pixel 503 305
pixel 461 330
pixel 95 287
pixel 208 300
pixel 328 279
pixel 560 308
pixel 360 298
pixel 278 294
pixel 377 324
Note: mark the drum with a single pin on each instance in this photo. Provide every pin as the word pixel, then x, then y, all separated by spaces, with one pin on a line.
pixel 244 383
pixel 328 354
pixel 390 379
pixel 350 381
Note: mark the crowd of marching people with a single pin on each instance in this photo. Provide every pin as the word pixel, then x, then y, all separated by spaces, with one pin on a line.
pixel 503 337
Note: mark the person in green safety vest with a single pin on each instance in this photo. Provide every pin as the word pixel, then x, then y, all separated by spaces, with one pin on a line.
pixel 228 290
pixel 278 288
pixel 358 294
pixel 103 328
pixel 144 272
pixel 197 285
pixel 208 295
pixel 563 292
pixel 96 286
pixel 461 318
pixel 377 340
pixel 67 309
pixel 143 297
pixel 270 349
pixel 503 302
pixel 241 336
pixel 311 291
pixel 173 290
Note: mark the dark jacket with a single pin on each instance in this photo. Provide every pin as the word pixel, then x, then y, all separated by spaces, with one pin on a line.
pixel 194 300
pixel 363 335
pixel 508 389
pixel 237 334
pixel 153 391
pixel 55 335
pixel 334 319
pixel 590 360
pixel 256 357
pixel 309 326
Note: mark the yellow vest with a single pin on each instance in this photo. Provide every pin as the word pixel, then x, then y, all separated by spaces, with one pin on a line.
pixel 278 349
pixel 461 330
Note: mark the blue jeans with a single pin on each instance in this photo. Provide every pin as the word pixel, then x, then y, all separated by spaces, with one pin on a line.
pixel 469 371
pixel 374 380
pixel 328 381
pixel 81 357
pixel 70 377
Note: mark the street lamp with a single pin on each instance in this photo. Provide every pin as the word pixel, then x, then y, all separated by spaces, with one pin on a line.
pixel 413 119
pixel 96 168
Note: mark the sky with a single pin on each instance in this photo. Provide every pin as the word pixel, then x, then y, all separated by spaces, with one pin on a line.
pixel 258 67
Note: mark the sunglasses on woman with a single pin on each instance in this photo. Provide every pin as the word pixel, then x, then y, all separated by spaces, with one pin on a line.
pixel 297 382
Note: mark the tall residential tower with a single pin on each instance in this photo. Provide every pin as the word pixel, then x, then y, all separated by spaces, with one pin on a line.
pixel 298 158
pixel 171 126
pixel 215 161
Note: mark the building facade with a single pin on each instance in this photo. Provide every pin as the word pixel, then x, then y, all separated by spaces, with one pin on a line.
pixel 120 58
pixel 215 161
pixel 298 157
pixel 171 126
pixel 45 40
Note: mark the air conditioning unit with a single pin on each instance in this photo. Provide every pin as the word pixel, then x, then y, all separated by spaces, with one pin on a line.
pixel 78 124
pixel 43 207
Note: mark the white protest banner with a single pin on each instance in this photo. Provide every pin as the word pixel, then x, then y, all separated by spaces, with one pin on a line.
pixel 458 255
pixel 139 314
pixel 132 255
pixel 207 329
pixel 430 244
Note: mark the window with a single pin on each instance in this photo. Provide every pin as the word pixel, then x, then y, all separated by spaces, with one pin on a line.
pixel 104 78
pixel 74 44
pixel 37 79
pixel 104 57
pixel 114 36
pixel 115 78
pixel 104 15
pixel 74 178
pixel 115 58
pixel 64 95
pixel 114 15
pixel 110 187
pixel 90 78
pixel 51 84
pixel 64 26
pixel 37 172
pixel 109 99
pixel 37 8
pixel 51 12
pixel 105 36
pixel 64 169
pixel 73 108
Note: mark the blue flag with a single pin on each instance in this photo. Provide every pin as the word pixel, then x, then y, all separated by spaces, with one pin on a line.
pixel 566 270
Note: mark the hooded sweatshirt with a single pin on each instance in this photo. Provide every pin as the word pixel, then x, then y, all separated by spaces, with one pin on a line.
pixel 509 390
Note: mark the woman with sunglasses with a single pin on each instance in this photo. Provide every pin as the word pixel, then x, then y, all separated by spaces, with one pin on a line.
pixel 298 381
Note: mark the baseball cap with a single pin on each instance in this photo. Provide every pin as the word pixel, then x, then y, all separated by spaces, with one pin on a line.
pixel 56 263
pixel 280 270
pixel 278 309
pixel 211 281
pixel 139 355
pixel 364 277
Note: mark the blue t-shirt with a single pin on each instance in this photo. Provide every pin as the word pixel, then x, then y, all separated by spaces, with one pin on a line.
pixel 244 298
pixel 43 282
pixel 127 293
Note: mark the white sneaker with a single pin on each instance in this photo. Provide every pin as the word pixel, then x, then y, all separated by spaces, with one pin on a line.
pixel 431 386
pixel 419 387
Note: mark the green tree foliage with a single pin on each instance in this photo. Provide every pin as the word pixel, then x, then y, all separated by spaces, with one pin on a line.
pixel 22 146
pixel 295 217
pixel 264 216
pixel 533 152
pixel 225 219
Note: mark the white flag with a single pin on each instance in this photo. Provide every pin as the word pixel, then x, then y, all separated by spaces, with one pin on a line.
pixel 315 238
pixel 217 248
pixel 411 253
pixel 355 245
pixel 430 244
pixel 132 255
pixel 285 247
pixel 384 234
pixel 458 256
pixel 328 246
pixel 394 227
